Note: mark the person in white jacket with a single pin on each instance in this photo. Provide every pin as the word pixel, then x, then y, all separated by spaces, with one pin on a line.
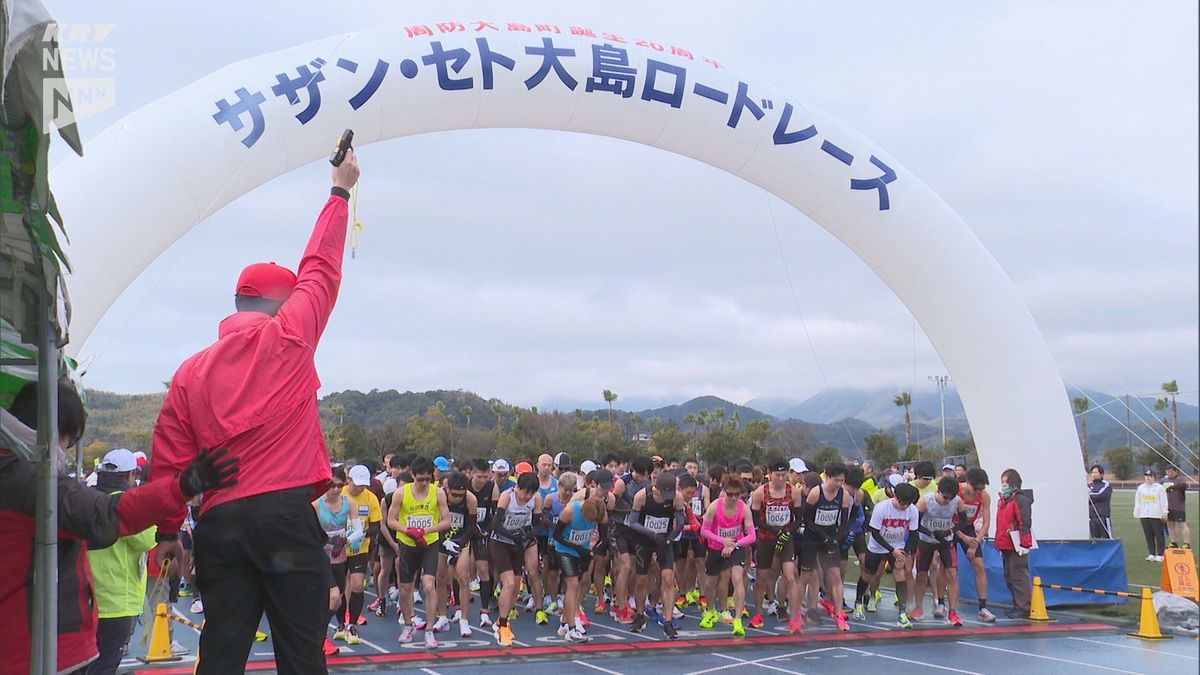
pixel 1150 507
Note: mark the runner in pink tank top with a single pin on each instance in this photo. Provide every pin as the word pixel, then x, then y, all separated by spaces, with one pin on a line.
pixel 728 537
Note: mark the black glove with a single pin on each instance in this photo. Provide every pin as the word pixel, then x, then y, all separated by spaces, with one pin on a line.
pixel 209 472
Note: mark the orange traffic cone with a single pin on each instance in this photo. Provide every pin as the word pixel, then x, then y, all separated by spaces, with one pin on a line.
pixel 1148 625
pixel 1037 603
pixel 160 638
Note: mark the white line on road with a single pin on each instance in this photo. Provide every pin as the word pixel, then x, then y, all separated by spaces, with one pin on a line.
pixel 1140 649
pixel 925 664
pixel 757 662
pixel 1048 658
pixel 594 667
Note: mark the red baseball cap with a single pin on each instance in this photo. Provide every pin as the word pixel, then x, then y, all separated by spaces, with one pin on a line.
pixel 266 280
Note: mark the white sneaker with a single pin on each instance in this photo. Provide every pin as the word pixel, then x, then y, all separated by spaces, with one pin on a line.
pixel 400 618
pixel 178 649
pixel 986 616
pixel 418 622
pixel 197 606
pixel 458 616
pixel 430 641
pixel 1158 558
pixel 563 630
pixel 393 594
pixel 1150 558
pixel 530 604
pixel 485 620
pixel 464 628
pixel 406 635
pixel 417 597
pixel 441 625
pixel 574 635
pixel 939 610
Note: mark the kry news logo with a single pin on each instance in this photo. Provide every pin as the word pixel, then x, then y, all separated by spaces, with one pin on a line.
pixel 87 65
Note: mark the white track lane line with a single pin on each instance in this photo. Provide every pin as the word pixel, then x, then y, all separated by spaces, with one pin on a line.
pixel 741 662
pixel 924 664
pixel 1139 649
pixel 594 667
pixel 1048 658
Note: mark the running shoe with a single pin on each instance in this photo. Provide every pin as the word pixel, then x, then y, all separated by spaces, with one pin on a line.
pixel 702 601
pixel 417 597
pixel 563 629
pixel 781 613
pixel 795 624
pixel 738 630
pixel 954 618
pixel 399 617
pixel 551 605
pixel 178 649
pixel 374 606
pixel 394 594
pixel 727 617
pixel 916 613
pixel 529 605
pixel 418 622
pixel 608 580
pixel 184 591
pixel 1150 558
pixel 464 628
pixel 903 621
pixel 839 620
pixel 329 648
pixel 582 621
pixel 709 619
pixel 625 615
pixel 541 618
pixel 339 633
pixel 639 623
pixel 859 612
pixel 757 621
pixel 474 585
pixel 878 595
pixel 939 611
pixel 512 614
pixel 573 635
pixel 197 606
pixel 986 616
pixel 826 605
pixel 670 631
pixel 504 635
pixel 362 621
pixel 693 596
pixel 872 604
pixel 485 620
pixel 380 608
pixel 352 636
pixel 681 601
pixel 599 606
pixel 430 641
pixel 653 615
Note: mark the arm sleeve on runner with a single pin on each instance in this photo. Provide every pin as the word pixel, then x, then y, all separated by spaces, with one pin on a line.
pixel 498 525
pixel 748 538
pixel 632 522
pixel 878 537
pixel 677 525
pixel 709 532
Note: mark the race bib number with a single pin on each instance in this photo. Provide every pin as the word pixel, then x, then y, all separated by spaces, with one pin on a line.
pixel 935 524
pixel 580 537
pixel 826 517
pixel 971 510
pixel 729 532
pixel 778 516
pixel 481 514
pixel 419 521
pixel 697 506
pixel 515 521
pixel 657 525
pixel 456 520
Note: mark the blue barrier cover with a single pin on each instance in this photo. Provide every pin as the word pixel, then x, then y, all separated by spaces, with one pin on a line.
pixel 1097 564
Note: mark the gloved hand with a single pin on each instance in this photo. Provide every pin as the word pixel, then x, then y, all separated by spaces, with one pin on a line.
pixel 354 541
pixel 782 540
pixel 417 534
pixel 1021 550
pixel 451 546
pixel 848 542
pixel 209 472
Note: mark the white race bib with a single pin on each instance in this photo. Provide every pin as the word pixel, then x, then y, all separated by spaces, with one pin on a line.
pixel 580 537
pixel 456 520
pixel 826 518
pixel 481 514
pixel 778 516
pixel 971 510
pixel 697 506
pixel 729 532
pixel 935 524
pixel 657 525
pixel 423 522
pixel 515 521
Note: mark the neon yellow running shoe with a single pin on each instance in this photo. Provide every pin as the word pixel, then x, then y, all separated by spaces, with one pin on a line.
pixel 709 619
pixel 738 631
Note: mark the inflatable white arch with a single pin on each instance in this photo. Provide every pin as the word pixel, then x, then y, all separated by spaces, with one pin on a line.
pixel 263 117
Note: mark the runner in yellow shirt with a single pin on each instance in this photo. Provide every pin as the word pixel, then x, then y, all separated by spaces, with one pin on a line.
pixel 363 526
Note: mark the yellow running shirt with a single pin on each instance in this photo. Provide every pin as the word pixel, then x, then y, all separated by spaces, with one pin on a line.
pixel 364 510
pixel 423 514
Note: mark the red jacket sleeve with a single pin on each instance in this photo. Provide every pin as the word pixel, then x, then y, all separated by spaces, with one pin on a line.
pixel 174 448
pixel 307 310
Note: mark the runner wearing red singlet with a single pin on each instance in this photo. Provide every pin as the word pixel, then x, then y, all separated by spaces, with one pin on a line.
pixel 977 505
pixel 777 512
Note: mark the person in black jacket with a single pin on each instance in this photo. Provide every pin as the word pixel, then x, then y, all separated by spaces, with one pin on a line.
pixel 1099 504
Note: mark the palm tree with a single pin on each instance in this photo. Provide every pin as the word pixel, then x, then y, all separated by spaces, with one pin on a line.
pixel 903 401
pixel 578 413
pixel 636 420
pixel 1172 389
pixel 1081 405
pixel 1161 404
pixel 498 408
pixel 692 420
pixel 734 420
pixel 466 412
pixel 717 415
pixel 609 397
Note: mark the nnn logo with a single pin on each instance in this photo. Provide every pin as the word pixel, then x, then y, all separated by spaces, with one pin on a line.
pixel 87 64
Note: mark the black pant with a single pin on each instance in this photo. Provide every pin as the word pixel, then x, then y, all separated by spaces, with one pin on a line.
pixel 1101 528
pixel 264 552
pixel 1156 537
pixel 112 635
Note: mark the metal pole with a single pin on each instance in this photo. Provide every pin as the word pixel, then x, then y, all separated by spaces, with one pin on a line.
pixel 1128 429
pixel 44 647
pixel 941 381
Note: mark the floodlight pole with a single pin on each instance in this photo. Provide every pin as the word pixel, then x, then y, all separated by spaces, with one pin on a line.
pixel 44 647
pixel 940 381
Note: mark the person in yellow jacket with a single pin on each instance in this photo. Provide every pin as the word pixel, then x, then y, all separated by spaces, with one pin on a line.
pixel 119 571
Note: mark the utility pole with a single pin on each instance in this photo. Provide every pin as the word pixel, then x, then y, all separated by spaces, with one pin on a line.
pixel 940 381
pixel 1128 432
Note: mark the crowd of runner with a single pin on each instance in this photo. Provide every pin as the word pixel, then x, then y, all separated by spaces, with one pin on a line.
pixel 640 539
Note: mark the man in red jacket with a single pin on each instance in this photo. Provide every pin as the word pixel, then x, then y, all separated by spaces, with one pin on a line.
pixel 258 546
pixel 87 518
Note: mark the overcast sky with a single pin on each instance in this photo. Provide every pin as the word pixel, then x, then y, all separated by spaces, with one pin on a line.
pixel 542 267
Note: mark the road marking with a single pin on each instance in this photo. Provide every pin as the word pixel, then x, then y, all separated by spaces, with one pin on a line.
pixel 924 664
pixel 627 632
pixel 427 671
pixel 595 667
pixel 758 662
pixel 1140 649
pixel 1048 658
